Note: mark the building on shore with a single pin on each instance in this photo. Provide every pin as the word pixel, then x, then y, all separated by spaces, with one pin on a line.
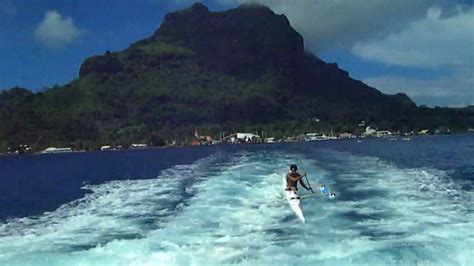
pixel 22 148
pixel 369 132
pixel 383 134
pixel 313 136
pixel 201 140
pixel 242 138
pixel 270 140
pixel 57 150
pixel 346 135
pixel 247 137
pixel 138 145
pixel 423 132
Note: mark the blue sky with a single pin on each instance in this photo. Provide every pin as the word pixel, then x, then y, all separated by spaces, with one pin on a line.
pixel 423 48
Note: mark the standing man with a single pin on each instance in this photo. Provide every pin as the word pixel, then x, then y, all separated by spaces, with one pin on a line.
pixel 293 177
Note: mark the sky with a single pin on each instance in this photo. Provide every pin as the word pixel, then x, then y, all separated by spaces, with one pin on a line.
pixel 424 48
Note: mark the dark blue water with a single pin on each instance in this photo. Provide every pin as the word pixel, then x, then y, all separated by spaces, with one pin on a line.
pixel 398 202
pixel 33 184
pixel 452 153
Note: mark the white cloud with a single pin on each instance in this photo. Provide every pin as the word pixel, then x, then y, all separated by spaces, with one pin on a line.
pixel 430 42
pixel 54 31
pixel 436 42
pixel 456 89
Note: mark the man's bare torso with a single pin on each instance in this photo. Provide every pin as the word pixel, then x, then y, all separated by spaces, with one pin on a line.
pixel 292 180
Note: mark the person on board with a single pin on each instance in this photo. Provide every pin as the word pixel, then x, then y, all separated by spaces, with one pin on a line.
pixel 293 177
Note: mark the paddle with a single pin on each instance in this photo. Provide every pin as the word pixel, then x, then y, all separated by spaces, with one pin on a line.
pixel 307 196
pixel 309 184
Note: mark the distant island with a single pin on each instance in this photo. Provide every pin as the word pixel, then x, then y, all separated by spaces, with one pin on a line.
pixel 240 70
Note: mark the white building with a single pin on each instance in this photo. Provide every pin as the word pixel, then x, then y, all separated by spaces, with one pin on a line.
pixel 314 136
pixel 423 132
pixel 247 136
pixel 346 135
pixel 369 131
pixel 383 133
pixel 270 140
pixel 57 150
pixel 140 145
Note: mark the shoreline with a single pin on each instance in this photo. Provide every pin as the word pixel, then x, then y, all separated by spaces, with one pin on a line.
pixel 357 139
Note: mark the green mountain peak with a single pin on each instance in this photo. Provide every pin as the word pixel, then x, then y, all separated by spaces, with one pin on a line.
pixel 241 69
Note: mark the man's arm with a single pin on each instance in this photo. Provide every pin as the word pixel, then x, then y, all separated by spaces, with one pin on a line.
pixel 303 184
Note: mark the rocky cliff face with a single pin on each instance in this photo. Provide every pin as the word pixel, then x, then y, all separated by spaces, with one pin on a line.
pixel 105 64
pixel 248 43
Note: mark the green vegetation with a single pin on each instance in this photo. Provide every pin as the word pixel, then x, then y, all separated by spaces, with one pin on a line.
pixel 165 49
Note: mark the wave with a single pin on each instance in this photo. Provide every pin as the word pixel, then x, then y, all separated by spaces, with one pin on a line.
pixel 229 209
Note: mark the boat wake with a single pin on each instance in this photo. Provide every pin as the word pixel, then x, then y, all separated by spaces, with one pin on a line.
pixel 229 208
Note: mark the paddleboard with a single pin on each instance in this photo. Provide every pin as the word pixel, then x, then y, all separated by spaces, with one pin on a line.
pixel 293 200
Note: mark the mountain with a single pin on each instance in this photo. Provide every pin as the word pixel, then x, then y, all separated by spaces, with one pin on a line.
pixel 241 69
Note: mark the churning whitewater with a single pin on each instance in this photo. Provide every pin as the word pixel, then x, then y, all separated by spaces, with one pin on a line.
pixel 229 208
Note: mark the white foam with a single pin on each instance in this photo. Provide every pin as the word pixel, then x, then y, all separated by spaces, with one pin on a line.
pixel 235 213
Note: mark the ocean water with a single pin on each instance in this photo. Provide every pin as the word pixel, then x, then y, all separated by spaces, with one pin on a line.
pixel 398 202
